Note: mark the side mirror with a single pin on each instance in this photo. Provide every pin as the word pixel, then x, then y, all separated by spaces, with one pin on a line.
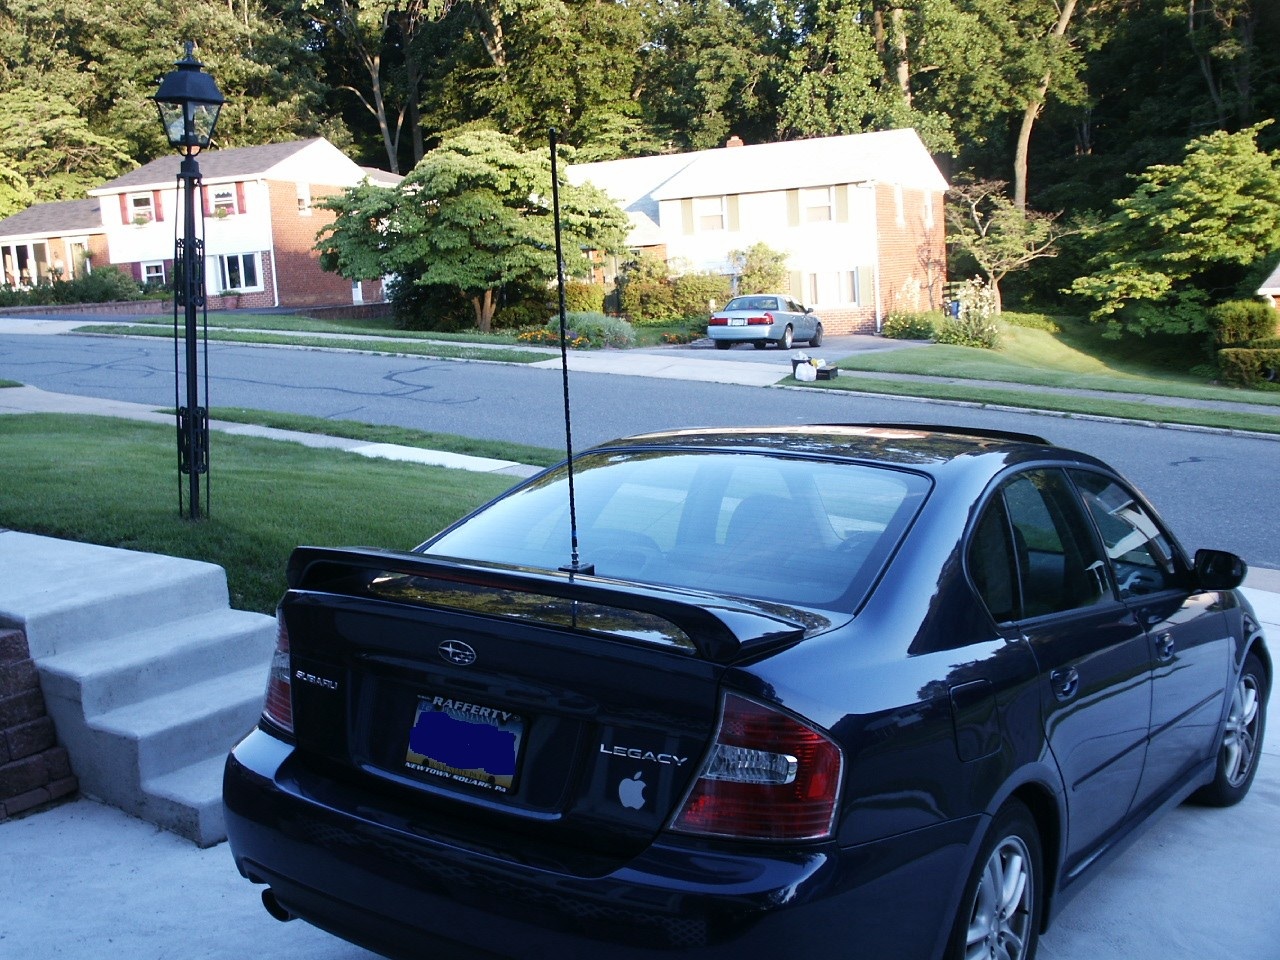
pixel 1219 570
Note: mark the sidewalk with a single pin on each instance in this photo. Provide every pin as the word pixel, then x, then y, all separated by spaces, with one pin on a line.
pixel 35 400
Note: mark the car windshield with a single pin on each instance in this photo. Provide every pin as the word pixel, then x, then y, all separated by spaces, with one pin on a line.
pixel 796 531
pixel 752 303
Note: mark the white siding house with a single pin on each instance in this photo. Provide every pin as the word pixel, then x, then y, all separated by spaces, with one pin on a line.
pixel 860 218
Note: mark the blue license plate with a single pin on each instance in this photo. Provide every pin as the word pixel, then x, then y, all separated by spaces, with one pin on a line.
pixel 465 742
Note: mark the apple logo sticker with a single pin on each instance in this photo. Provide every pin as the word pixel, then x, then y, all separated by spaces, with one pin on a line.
pixel 631 792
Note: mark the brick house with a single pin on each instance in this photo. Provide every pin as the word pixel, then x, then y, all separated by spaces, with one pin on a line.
pixel 860 217
pixel 51 240
pixel 259 224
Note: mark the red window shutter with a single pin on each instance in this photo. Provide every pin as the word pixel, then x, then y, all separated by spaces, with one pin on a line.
pixel 208 201
pixel 240 207
pixel 124 210
pixel 157 208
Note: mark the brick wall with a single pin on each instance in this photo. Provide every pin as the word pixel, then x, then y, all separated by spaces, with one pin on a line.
pixel 34 770
pixel 913 255
pixel 301 281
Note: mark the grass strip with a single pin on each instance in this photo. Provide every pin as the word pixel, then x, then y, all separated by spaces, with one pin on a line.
pixel 1059 403
pixel 115 483
pixel 416 348
pixel 1076 357
pixel 381 327
pixel 403 436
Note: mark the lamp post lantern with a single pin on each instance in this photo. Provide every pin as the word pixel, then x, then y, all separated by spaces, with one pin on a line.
pixel 189 102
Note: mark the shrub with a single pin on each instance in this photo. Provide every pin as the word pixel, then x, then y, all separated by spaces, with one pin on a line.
pixel 1239 321
pixel 976 325
pixel 581 297
pixel 105 285
pixel 647 302
pixel 1251 367
pixel 585 330
pixel 418 307
pixel 912 326
pixel 1031 321
pixel 692 294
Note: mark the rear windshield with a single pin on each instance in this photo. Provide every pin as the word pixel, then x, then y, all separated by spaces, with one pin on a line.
pixel 808 532
pixel 753 303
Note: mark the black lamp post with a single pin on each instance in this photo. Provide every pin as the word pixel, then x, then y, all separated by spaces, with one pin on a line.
pixel 189 103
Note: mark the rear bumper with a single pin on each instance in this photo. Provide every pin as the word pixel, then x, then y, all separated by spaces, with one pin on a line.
pixel 404 893
pixel 745 334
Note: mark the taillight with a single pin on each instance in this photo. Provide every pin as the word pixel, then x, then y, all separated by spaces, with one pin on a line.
pixel 279 703
pixel 718 322
pixel 764 321
pixel 768 777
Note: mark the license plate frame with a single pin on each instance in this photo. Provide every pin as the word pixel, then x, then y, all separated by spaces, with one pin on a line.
pixel 737 321
pixel 463 742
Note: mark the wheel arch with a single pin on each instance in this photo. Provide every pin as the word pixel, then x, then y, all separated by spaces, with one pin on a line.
pixel 1045 810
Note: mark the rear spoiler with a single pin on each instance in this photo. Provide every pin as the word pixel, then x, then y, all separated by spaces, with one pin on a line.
pixel 717 628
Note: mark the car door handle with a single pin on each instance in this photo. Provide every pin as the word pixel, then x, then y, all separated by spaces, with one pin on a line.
pixel 1164 647
pixel 1065 683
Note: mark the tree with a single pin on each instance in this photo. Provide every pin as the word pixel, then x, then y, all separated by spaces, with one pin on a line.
pixel 759 268
pixel 702 75
pixel 1187 237
pixel 988 226
pixel 49 149
pixel 378 38
pixel 475 215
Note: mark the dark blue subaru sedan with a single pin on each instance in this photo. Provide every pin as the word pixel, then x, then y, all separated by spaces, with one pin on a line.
pixel 871 691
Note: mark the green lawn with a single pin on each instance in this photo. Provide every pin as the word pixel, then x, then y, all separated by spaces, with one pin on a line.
pixel 116 482
pixel 1076 357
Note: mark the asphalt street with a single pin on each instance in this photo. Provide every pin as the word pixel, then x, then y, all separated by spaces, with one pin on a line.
pixel 1216 490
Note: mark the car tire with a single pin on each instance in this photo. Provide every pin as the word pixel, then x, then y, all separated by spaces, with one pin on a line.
pixel 784 341
pixel 1241 739
pixel 999 913
pixel 816 339
pixel 723 344
pixel 759 344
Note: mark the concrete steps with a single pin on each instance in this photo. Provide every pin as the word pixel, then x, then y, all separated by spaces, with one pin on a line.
pixel 148 674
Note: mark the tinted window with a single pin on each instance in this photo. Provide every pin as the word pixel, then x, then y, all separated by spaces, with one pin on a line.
pixel 1141 556
pixel 793 531
pixel 992 565
pixel 1033 552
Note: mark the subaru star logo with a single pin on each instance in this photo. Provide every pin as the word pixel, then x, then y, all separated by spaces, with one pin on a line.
pixel 455 651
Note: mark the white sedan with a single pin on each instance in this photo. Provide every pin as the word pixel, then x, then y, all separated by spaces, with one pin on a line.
pixel 764 318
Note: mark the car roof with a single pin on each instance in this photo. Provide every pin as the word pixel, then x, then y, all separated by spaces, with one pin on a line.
pixel 929 448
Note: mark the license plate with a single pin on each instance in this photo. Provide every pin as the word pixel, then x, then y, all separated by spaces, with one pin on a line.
pixel 465 743
pixel 737 321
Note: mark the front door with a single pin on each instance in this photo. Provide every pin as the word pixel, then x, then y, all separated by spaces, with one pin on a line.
pixel 1187 633
pixel 1092 653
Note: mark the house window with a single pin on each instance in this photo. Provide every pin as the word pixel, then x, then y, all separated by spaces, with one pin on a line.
pixel 153 274
pixel 928 209
pixel 304 199
pixel 141 208
pixel 709 213
pixel 817 204
pixel 239 271
pixel 223 201
pixel 899 209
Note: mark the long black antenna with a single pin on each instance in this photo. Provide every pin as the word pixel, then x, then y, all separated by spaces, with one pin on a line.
pixel 574 566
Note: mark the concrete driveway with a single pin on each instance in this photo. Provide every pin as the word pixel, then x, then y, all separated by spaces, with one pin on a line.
pixel 84 882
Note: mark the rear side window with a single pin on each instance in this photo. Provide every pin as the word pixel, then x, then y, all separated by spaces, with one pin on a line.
pixel 795 531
